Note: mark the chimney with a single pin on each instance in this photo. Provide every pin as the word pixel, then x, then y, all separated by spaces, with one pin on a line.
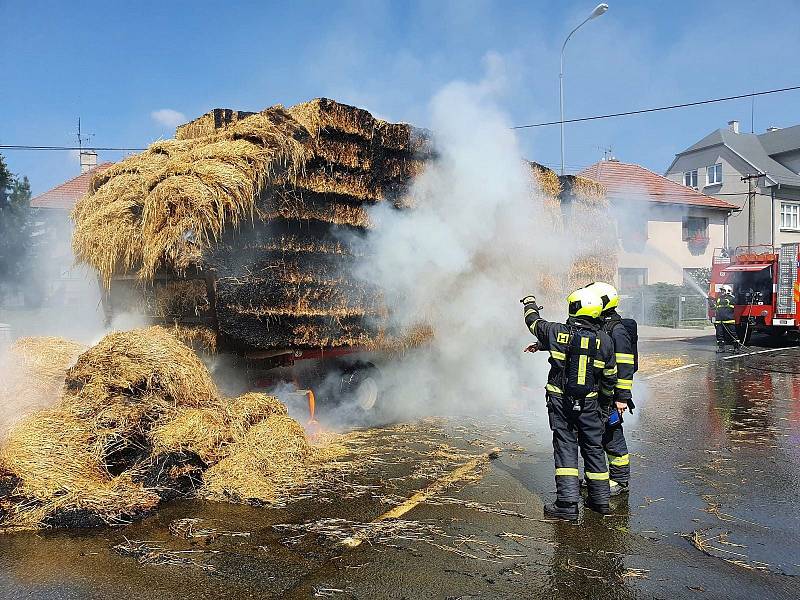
pixel 734 126
pixel 88 160
pixel 772 128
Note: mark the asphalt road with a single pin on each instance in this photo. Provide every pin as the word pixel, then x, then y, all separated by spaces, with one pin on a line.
pixel 713 511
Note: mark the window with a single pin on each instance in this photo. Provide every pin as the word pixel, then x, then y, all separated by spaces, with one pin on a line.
pixel 690 179
pixel 695 229
pixel 714 174
pixel 632 279
pixel 790 215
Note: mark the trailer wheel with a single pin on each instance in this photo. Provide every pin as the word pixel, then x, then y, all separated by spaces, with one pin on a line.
pixel 360 388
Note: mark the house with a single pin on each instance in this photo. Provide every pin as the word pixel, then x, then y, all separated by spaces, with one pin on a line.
pixel 716 164
pixel 56 277
pixel 666 230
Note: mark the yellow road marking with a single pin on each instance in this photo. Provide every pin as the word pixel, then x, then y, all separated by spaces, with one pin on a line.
pixel 437 486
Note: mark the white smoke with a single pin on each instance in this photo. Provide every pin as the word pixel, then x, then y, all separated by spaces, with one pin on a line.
pixel 461 259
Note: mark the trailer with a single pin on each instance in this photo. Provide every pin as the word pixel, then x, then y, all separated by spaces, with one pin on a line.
pixel 766 287
pixel 323 376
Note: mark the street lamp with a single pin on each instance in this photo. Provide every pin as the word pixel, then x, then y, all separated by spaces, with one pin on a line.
pixel 599 10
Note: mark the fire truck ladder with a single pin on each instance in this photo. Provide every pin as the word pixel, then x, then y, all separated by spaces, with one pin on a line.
pixel 787 277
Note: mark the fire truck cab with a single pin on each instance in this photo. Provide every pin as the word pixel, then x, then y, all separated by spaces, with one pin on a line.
pixel 766 287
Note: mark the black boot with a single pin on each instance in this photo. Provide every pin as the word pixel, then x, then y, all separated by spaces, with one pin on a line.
pixel 603 509
pixel 562 510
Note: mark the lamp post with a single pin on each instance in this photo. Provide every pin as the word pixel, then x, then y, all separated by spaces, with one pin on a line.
pixel 599 10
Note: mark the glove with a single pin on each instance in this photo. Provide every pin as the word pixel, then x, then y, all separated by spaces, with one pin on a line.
pixel 529 299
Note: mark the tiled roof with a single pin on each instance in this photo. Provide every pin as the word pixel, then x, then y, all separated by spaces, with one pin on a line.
pixel 64 196
pixel 627 182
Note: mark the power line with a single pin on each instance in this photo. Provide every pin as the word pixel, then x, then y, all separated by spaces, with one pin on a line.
pixel 23 147
pixel 529 126
pixel 660 108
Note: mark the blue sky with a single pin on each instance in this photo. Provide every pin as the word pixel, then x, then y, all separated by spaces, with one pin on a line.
pixel 115 64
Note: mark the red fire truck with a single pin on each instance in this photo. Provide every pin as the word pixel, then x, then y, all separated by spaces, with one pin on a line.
pixel 766 287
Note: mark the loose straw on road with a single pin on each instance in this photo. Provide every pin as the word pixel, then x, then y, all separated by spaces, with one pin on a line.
pixel 422 495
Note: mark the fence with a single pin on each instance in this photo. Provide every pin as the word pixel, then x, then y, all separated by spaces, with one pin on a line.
pixel 665 309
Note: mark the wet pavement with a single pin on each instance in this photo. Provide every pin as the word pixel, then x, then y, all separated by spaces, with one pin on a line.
pixel 713 511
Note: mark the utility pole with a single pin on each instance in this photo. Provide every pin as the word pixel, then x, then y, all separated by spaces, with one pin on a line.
pixel 751 198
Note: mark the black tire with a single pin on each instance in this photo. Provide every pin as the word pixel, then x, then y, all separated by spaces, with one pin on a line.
pixel 778 332
pixel 360 389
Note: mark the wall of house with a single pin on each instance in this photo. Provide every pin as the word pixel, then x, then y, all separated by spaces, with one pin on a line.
pixel 732 190
pixel 784 236
pixel 664 253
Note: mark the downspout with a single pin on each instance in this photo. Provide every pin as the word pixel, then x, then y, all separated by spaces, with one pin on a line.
pixel 772 193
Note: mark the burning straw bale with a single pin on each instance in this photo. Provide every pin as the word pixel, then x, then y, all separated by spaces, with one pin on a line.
pixel 263 465
pixel 199 338
pixel 546 180
pixel 140 421
pixel 33 375
pixel 206 124
pixel 179 195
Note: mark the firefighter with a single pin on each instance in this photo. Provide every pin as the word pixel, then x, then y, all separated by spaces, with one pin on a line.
pixel 623 333
pixel 724 321
pixel 580 386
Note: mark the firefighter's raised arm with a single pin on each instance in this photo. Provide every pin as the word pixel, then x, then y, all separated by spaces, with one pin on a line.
pixel 533 320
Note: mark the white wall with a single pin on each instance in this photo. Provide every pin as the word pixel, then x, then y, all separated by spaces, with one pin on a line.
pixel 665 254
pixel 732 190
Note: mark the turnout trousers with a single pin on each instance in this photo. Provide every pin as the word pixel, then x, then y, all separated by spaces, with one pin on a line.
pixel 726 333
pixel 573 430
pixel 619 461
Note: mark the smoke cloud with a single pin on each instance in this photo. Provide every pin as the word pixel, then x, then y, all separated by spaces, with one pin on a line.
pixel 473 244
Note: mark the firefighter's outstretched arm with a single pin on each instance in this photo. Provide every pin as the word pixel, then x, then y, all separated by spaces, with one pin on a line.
pixel 533 320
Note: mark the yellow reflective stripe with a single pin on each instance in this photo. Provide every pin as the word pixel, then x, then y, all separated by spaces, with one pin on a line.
pixel 599 364
pixel 530 311
pixel 591 394
pixel 596 476
pixel 552 388
pixel 558 355
pixel 582 369
pixel 568 472
pixel 585 343
pixel 624 359
pixel 611 371
pixel 731 321
pixel 619 461
pixel 624 384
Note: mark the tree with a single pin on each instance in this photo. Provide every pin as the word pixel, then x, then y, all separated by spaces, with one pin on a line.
pixel 15 224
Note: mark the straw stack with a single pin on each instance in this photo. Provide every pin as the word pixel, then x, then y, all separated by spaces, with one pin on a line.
pixel 33 375
pixel 139 422
pixel 265 208
pixel 591 226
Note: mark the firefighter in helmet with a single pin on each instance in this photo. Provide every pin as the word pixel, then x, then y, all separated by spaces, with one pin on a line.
pixel 580 387
pixel 624 335
pixel 724 321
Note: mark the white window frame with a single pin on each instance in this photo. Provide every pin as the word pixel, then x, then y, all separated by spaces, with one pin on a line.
pixel 714 168
pixel 691 176
pixel 793 213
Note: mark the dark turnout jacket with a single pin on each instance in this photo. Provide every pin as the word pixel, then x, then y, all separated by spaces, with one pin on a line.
pixel 624 354
pixel 555 338
pixel 723 309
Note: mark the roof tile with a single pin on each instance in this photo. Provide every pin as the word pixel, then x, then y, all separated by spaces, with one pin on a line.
pixel 626 181
pixel 64 196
